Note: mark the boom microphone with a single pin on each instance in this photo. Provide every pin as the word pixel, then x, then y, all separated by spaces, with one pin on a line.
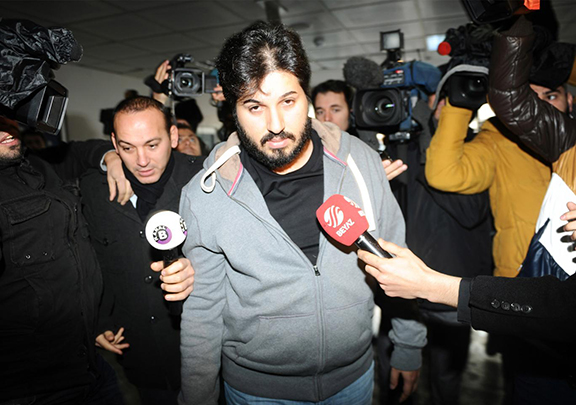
pixel 165 231
pixel 362 73
pixel 345 222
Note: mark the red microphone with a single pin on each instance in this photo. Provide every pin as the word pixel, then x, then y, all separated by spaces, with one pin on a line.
pixel 345 222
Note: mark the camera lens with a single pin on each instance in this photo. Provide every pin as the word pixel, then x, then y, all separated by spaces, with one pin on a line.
pixel 185 82
pixel 476 86
pixel 384 107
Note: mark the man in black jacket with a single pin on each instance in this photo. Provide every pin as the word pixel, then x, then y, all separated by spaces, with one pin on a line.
pixel 133 301
pixel 50 283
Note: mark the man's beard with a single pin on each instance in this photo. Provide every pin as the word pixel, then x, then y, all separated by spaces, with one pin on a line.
pixel 12 155
pixel 279 158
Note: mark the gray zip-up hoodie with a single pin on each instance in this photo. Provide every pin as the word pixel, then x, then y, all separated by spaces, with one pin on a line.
pixel 276 324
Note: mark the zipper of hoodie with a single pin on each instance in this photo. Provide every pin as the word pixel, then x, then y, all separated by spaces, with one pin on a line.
pixel 321 322
pixel 317 275
pixel 319 295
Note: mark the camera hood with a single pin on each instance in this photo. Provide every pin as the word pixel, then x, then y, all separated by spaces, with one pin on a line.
pixel 460 70
pixel 29 53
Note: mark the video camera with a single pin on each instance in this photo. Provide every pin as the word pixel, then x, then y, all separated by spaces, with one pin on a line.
pixel 387 106
pixel 31 96
pixel 183 82
pixel 469 46
pixel 466 79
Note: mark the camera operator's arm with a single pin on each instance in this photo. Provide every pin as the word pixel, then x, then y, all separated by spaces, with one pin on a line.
pixel 453 165
pixel 218 95
pixel 539 125
pixel 160 76
pixel 70 160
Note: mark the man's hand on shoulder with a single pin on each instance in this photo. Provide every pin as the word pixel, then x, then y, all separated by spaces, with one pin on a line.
pixel 118 184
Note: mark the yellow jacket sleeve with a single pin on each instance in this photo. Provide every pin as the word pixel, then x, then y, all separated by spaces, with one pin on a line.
pixel 572 78
pixel 455 166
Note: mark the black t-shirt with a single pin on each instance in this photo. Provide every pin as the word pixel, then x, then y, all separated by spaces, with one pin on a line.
pixel 293 198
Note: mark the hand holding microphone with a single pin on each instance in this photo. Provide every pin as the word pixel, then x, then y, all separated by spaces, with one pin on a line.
pixel 165 231
pixel 345 222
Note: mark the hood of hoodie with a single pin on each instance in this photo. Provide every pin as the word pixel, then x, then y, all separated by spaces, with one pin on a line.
pixel 225 159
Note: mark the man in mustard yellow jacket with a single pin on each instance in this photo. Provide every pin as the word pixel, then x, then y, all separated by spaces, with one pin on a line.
pixel 514 176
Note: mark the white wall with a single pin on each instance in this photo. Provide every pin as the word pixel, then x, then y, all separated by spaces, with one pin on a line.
pixel 92 90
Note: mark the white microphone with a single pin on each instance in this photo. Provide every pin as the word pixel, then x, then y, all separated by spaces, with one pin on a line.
pixel 166 230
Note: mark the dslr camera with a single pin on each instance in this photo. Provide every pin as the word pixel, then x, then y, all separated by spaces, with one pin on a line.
pixel 186 82
pixel 388 108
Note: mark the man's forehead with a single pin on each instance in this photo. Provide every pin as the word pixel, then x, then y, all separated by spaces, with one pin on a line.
pixel 186 132
pixel 541 89
pixel 277 82
pixel 332 97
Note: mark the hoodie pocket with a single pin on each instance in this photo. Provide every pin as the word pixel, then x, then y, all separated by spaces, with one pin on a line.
pixel 348 333
pixel 286 344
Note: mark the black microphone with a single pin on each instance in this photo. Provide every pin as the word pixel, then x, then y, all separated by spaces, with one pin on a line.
pixel 165 231
pixel 362 73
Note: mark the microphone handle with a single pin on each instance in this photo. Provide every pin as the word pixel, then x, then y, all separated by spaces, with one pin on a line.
pixel 170 256
pixel 367 242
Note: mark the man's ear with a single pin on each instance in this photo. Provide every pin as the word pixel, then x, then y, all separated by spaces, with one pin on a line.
pixel 570 99
pixel 113 137
pixel 173 136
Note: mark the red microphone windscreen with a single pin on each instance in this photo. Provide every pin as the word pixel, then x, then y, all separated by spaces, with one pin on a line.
pixel 444 48
pixel 342 219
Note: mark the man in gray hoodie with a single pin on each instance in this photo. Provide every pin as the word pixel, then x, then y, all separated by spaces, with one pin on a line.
pixel 280 309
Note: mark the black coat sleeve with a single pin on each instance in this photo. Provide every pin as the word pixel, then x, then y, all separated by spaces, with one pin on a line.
pixel 71 160
pixel 539 308
pixel 543 128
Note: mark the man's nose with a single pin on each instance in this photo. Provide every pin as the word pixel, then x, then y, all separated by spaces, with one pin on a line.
pixel 276 121
pixel 142 158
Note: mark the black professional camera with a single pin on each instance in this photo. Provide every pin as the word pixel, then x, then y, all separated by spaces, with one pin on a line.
pixel 183 82
pixel 390 106
pixel 385 103
pixel 188 82
pixel 466 79
pixel 33 97
pixel 490 11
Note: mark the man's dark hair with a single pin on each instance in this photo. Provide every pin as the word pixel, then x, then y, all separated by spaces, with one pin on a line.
pixel 247 57
pixel 142 103
pixel 335 86
pixel 188 110
pixel 180 125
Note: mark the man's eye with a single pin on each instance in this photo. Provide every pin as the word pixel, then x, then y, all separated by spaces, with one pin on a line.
pixel 336 110
pixel 254 108
pixel 552 97
pixel 126 149
pixel 152 146
pixel 319 113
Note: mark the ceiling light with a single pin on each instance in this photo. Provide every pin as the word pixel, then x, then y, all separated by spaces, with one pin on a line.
pixel 432 41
